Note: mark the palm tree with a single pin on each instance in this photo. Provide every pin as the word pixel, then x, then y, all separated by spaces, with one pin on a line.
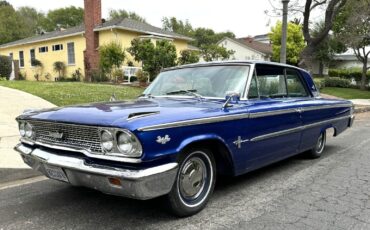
pixel 59 67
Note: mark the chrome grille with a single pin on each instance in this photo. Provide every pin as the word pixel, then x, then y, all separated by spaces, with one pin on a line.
pixel 77 136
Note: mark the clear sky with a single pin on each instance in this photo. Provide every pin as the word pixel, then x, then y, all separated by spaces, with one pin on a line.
pixel 243 17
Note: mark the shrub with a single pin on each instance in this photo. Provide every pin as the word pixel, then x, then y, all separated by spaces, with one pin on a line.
pixel 36 63
pixel 319 84
pixel 60 68
pixel 337 82
pixel 112 56
pixel 3 78
pixel 98 76
pixel 142 76
pixel 5 66
pixel 22 76
pixel 77 75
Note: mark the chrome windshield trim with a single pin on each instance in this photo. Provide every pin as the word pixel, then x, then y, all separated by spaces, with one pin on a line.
pixel 83 151
pixel 198 121
pixel 297 129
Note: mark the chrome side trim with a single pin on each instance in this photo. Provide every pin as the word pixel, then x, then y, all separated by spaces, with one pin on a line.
pixel 198 121
pixel 310 108
pixel 297 129
pixel 83 151
pixel 272 113
pixel 276 134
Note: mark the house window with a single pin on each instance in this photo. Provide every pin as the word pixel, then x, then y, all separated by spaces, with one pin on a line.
pixel 33 56
pixel 71 53
pixel 43 49
pixel 58 47
pixel 21 59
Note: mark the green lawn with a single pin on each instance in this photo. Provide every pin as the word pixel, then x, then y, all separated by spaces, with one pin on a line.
pixel 69 93
pixel 346 93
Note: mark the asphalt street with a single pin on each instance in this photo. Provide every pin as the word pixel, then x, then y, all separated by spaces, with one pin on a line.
pixel 332 192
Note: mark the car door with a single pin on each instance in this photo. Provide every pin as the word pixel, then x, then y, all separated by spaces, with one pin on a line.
pixel 273 129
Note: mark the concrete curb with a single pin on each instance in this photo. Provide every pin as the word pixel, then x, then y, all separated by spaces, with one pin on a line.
pixel 362 109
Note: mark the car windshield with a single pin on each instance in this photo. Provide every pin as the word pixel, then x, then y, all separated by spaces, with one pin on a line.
pixel 204 81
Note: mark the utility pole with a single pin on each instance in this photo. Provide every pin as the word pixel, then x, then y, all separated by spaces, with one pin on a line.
pixel 284 32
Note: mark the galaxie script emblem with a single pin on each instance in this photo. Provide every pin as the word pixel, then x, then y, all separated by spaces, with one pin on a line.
pixel 56 135
pixel 163 140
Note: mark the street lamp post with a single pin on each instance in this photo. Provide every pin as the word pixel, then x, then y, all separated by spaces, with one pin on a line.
pixel 284 32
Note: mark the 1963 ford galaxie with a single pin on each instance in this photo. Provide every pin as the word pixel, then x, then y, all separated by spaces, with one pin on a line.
pixel 191 124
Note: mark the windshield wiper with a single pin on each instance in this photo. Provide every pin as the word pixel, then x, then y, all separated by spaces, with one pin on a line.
pixel 190 91
pixel 146 95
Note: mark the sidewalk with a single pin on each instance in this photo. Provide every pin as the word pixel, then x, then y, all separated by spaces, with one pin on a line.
pixel 13 103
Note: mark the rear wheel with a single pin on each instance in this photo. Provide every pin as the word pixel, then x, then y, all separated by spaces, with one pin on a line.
pixel 194 183
pixel 317 151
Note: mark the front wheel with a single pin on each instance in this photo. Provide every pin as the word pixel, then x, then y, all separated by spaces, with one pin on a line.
pixel 194 183
pixel 317 151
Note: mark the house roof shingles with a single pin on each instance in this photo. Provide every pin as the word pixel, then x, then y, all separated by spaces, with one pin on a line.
pixel 124 24
pixel 259 46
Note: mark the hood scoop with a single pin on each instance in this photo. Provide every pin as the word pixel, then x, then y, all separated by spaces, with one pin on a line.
pixel 133 116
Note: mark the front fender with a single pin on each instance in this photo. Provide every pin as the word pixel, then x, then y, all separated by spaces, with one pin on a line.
pixel 204 137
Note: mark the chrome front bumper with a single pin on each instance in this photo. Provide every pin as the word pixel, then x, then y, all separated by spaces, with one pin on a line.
pixel 138 184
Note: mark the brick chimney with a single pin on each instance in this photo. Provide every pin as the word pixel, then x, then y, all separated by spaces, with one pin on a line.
pixel 92 19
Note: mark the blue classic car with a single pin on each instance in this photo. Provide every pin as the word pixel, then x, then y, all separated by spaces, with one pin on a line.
pixel 192 123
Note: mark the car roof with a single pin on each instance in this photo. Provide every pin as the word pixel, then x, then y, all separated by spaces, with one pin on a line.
pixel 232 62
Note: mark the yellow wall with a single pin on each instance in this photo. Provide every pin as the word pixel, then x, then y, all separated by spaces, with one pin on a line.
pixel 47 59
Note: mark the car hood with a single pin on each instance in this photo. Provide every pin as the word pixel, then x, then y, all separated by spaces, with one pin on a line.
pixel 133 114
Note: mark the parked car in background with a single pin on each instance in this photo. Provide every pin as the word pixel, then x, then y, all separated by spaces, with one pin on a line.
pixel 192 123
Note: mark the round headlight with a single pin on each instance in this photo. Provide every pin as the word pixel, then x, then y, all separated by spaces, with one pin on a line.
pixel 128 144
pixel 28 130
pixel 107 140
pixel 22 130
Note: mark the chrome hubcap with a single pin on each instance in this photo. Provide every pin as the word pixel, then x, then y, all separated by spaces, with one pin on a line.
pixel 320 144
pixel 192 178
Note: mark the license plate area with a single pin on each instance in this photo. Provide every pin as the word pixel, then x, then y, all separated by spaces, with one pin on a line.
pixel 56 173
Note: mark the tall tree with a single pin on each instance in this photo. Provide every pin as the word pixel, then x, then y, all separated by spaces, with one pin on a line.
pixel 63 18
pixel 353 29
pixel 154 56
pixel 295 42
pixel 121 14
pixel 333 7
pixel 178 26
pixel 327 49
pixel 11 24
pixel 306 7
pixel 204 38
pixel 32 19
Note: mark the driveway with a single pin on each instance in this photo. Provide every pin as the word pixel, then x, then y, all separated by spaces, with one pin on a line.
pixel 12 103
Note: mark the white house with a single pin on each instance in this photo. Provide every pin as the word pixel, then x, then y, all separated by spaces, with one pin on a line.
pixel 348 60
pixel 247 49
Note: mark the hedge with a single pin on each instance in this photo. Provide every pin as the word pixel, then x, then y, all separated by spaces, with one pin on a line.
pixel 5 67
pixel 348 74
pixel 336 82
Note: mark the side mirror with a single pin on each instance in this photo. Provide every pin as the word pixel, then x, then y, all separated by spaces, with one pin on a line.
pixel 231 97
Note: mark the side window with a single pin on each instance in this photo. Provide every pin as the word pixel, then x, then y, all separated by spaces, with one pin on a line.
pixel 295 85
pixel 253 89
pixel 271 81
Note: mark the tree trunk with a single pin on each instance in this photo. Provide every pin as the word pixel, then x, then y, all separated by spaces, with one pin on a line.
pixel 308 58
pixel 363 77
